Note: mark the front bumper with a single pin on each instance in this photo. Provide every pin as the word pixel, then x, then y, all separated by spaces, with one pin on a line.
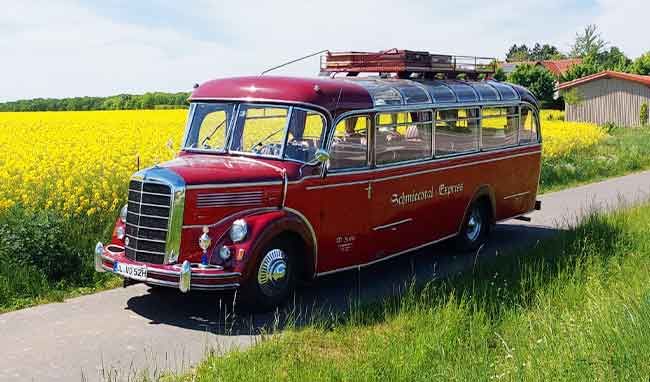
pixel 184 277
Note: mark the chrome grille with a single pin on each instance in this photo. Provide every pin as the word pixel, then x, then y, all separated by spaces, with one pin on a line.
pixel 147 221
pixel 229 199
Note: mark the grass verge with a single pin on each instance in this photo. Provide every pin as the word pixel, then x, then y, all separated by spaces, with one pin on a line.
pixel 575 307
pixel 624 151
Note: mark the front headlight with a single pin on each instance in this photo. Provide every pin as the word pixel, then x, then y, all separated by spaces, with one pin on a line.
pixel 123 212
pixel 238 231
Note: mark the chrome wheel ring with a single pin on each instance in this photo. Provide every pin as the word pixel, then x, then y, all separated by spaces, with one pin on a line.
pixel 474 225
pixel 272 276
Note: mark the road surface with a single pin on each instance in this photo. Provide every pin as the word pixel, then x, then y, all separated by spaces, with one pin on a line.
pixel 118 333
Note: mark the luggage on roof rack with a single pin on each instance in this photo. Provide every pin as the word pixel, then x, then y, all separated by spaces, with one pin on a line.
pixel 404 63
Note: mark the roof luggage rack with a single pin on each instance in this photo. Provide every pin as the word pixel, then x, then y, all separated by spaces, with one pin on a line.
pixel 406 62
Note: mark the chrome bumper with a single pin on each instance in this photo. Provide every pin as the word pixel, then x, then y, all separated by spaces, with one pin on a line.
pixel 184 277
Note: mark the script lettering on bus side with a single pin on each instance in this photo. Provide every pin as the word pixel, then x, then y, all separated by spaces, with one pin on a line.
pixel 404 198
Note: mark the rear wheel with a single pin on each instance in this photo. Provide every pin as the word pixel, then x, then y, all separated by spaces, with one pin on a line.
pixel 273 279
pixel 476 227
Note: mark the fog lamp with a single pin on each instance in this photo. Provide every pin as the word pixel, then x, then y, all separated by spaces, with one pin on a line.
pixel 224 253
pixel 123 213
pixel 120 233
pixel 238 231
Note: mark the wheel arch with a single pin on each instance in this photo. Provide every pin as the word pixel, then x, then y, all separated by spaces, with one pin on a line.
pixel 293 226
pixel 482 192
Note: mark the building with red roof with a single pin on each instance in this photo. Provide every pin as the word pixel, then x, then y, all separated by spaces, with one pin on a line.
pixel 607 96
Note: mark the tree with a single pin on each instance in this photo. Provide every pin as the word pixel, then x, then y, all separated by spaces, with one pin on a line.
pixel 545 52
pixel 641 65
pixel 537 79
pixel 587 67
pixel 589 43
pixel 518 53
pixel 500 75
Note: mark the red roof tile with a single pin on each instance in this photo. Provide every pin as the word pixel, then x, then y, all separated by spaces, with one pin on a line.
pixel 559 67
pixel 643 80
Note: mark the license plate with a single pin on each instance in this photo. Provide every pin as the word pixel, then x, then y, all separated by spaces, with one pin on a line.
pixel 136 272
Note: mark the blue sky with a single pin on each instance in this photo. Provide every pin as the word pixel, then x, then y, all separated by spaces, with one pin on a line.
pixel 76 48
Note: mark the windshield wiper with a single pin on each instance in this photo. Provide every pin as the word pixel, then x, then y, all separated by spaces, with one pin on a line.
pixel 267 137
pixel 207 138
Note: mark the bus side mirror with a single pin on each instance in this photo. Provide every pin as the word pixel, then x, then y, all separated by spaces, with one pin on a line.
pixel 321 156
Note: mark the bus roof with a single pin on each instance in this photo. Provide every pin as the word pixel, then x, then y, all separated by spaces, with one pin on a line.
pixel 340 95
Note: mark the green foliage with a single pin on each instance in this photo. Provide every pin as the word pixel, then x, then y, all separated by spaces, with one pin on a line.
pixel 642 65
pixel 573 308
pixel 588 43
pixel 643 114
pixel 519 53
pixel 572 96
pixel 118 102
pixel 537 79
pixel 500 75
pixel 45 256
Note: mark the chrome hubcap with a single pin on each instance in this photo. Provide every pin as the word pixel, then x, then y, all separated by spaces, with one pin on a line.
pixel 474 225
pixel 272 275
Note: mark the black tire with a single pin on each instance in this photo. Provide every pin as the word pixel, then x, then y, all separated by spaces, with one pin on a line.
pixel 476 227
pixel 265 289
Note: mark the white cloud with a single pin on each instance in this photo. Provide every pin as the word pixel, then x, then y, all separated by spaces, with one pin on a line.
pixel 71 49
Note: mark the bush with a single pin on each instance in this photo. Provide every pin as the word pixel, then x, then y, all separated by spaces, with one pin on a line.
pixel 41 241
pixel 537 79
pixel 644 114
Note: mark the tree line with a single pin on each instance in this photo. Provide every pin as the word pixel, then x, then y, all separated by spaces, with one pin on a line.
pixel 154 100
pixel 595 53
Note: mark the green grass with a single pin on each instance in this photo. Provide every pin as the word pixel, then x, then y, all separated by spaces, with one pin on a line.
pixel 574 307
pixel 625 151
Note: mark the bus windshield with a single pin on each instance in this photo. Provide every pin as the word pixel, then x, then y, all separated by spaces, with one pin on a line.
pixel 275 131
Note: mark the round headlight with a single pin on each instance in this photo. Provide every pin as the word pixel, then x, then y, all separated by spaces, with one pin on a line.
pixel 123 212
pixel 224 253
pixel 239 230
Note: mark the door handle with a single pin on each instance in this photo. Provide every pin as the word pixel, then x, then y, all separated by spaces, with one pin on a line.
pixel 369 189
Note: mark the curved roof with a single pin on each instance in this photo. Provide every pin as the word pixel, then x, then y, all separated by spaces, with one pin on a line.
pixel 350 93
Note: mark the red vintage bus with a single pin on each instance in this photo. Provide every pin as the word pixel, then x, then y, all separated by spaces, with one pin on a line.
pixel 285 178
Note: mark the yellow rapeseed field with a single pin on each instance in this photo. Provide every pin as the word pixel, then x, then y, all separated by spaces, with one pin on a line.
pixel 79 163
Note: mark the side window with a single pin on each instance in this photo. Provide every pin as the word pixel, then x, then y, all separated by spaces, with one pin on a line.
pixel 305 135
pixel 350 144
pixel 499 127
pixel 402 137
pixel 528 133
pixel 456 131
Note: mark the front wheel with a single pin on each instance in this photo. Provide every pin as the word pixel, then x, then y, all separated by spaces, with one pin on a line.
pixel 475 229
pixel 273 279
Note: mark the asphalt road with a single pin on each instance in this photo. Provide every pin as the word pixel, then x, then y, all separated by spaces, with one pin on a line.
pixel 115 334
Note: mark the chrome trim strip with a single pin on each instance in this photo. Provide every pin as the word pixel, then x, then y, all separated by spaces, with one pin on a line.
pixel 418 172
pixel 142 250
pixel 311 230
pixel 516 195
pixel 148 216
pixel 150 228
pixel 336 185
pixel 385 226
pixel 285 185
pixel 151 193
pixel 230 204
pixel 234 216
pixel 152 205
pixel 430 161
pixel 138 238
pixel 386 257
pixel 232 185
